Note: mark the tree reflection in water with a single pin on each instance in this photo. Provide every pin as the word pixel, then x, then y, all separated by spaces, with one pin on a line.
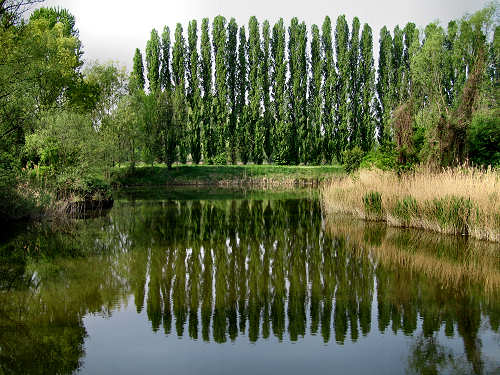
pixel 216 270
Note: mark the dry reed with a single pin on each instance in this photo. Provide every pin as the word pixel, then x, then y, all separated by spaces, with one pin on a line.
pixel 457 201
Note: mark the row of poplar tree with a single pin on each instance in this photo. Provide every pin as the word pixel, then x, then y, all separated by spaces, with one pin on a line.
pixel 263 97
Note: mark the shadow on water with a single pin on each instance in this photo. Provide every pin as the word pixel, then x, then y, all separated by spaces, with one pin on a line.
pixel 231 267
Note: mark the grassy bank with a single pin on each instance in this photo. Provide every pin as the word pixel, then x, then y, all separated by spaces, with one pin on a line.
pixel 462 201
pixel 225 175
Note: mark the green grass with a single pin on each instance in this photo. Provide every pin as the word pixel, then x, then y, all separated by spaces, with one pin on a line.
pixel 222 175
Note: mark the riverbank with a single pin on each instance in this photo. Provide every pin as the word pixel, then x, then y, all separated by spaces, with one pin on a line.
pixel 462 201
pixel 257 176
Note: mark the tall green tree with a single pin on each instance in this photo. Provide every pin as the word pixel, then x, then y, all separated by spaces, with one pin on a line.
pixel 180 104
pixel 137 80
pixel 194 93
pixel 266 90
pixel 410 38
pixel 342 86
pixel 241 95
pixel 397 66
pixel 208 133
pixel 153 54
pixel 329 91
pixel 165 74
pixel 297 91
pixel 315 98
pixel 281 139
pixel 367 90
pixel 219 38
pixel 384 92
pixel 354 85
pixel 231 64
pixel 256 128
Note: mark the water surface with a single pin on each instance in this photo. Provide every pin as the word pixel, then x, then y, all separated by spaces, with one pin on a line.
pixel 227 282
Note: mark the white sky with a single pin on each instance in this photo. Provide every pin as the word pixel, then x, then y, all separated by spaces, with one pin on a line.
pixel 112 29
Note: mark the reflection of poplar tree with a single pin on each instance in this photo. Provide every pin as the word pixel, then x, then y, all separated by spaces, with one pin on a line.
pixel 194 269
pixel 207 291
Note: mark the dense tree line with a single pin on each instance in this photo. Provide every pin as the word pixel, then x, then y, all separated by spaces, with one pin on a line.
pixel 221 92
pixel 291 95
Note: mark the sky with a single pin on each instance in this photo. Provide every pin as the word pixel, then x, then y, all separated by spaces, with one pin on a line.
pixel 111 30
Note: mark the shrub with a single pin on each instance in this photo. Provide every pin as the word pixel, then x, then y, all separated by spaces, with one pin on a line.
pixel 220 159
pixel 384 159
pixel 352 159
pixel 483 138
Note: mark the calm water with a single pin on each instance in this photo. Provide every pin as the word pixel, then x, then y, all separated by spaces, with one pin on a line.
pixel 224 282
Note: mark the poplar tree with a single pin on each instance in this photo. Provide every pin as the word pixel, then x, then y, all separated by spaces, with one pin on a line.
pixel 297 91
pixel 153 61
pixel 194 93
pixel 137 77
pixel 241 94
pixel 329 87
pixel 220 99
pixel 206 82
pixel 281 139
pixel 384 86
pixel 342 86
pixel 231 64
pixel 397 67
pixel 266 86
pixel 165 75
pixel 367 89
pixel 354 87
pixel 256 129
pixel 179 78
pixel 410 37
pixel 315 98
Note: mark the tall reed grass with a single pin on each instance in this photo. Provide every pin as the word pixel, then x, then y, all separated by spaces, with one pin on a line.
pixel 463 201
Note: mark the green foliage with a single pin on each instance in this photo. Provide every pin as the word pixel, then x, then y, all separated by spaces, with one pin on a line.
pixel 255 126
pixel 165 73
pixel 232 80
pixel 179 100
pixel 483 138
pixel 367 87
pixel 137 80
pixel 405 209
pixel 384 158
pixel 281 133
pixel 153 53
pixel 453 212
pixel 352 159
pixel 219 39
pixel 328 90
pixel 373 204
pixel 315 100
pixel 384 89
pixel 194 94
pixel 342 88
pixel 241 94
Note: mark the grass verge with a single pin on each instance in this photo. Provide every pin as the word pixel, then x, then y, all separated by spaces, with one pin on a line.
pixel 225 175
pixel 463 201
